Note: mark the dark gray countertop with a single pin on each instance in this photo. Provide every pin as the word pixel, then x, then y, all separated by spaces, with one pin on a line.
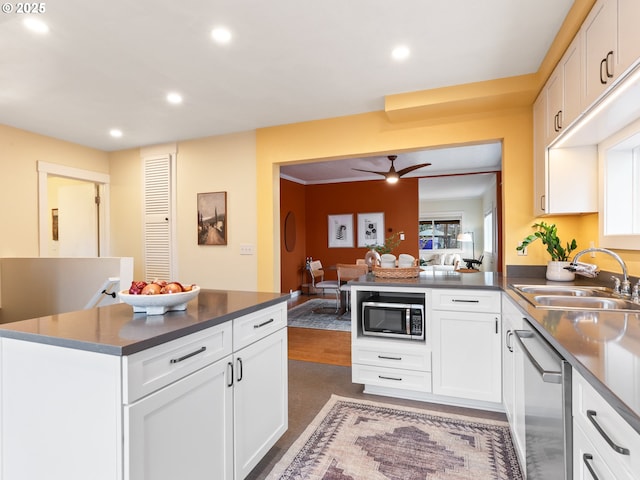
pixel 116 330
pixel 603 346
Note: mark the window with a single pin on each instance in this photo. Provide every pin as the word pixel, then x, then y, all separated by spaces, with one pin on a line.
pixel 438 234
pixel 488 232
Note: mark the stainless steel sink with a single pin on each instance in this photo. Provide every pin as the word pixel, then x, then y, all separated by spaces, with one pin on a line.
pixel 585 303
pixel 563 290
pixel 574 297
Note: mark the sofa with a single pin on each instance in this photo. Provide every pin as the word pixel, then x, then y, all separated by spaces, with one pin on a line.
pixel 432 262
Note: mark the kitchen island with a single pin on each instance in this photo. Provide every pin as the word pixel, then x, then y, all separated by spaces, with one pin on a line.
pixel 109 394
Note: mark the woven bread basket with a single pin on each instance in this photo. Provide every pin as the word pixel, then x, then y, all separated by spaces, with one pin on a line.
pixel 408 272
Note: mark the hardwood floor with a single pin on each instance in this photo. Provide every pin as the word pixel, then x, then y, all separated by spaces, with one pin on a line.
pixel 320 346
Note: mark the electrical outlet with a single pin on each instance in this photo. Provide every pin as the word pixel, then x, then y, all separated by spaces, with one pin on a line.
pixel 247 249
pixel 402 236
pixel 523 252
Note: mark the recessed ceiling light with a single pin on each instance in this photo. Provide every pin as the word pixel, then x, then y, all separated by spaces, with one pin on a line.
pixel 174 98
pixel 35 25
pixel 400 52
pixel 221 35
pixel 115 132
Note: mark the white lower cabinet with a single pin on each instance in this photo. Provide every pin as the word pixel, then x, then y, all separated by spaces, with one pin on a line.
pixel 467 357
pixel 513 376
pixel 587 463
pixel 184 430
pixel 612 445
pixel 260 399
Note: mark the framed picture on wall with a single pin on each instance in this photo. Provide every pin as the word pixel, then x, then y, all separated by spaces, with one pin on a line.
pixel 370 229
pixel 341 231
pixel 212 218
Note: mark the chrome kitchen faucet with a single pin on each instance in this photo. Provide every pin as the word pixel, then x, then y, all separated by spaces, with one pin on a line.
pixel 621 288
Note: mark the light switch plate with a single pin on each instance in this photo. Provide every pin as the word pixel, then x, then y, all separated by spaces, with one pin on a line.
pixel 247 249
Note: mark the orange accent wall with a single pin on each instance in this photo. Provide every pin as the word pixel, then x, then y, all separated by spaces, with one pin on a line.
pixel 292 199
pixel 398 202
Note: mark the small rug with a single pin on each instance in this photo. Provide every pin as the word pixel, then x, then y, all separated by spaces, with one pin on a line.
pixel 304 316
pixel 362 440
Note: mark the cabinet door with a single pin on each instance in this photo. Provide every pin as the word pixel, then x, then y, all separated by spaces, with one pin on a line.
pixel 539 156
pixel 260 400
pixel 555 104
pixel 467 355
pixel 512 376
pixel 573 74
pixel 183 430
pixel 628 33
pixel 600 33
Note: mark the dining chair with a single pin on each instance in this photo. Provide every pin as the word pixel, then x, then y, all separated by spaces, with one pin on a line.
pixel 346 273
pixel 318 282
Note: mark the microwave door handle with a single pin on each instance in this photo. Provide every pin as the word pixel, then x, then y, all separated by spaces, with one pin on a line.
pixel 407 320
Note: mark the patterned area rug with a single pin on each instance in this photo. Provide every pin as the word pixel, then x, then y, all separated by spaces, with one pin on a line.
pixel 319 313
pixel 361 440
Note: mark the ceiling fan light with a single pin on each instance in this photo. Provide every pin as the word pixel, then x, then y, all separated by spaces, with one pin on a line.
pixel 392 178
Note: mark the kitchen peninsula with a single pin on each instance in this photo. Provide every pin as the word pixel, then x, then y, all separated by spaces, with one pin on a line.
pixel 477 317
pixel 109 394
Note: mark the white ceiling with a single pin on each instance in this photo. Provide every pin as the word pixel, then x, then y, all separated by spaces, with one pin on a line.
pixel 444 161
pixel 110 63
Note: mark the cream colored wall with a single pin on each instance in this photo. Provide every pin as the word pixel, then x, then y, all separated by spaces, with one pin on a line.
pixel 19 153
pixel 212 164
pixel 217 164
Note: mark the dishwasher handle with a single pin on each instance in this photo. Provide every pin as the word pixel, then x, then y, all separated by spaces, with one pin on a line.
pixel 548 376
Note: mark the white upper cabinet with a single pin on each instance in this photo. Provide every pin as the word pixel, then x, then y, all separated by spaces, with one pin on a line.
pixel 563 91
pixel 628 33
pixel 600 44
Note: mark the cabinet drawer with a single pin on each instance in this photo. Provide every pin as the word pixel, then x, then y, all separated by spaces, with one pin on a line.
pixel 466 300
pixel 152 369
pixel 591 409
pixel 586 459
pixel 415 359
pixel 392 378
pixel 254 326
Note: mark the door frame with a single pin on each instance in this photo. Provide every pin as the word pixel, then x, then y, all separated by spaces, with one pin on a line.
pixel 101 179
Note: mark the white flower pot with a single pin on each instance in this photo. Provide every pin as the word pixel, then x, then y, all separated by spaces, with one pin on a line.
pixel 557 273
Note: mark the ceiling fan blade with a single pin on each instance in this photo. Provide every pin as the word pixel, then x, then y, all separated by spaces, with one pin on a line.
pixel 404 171
pixel 369 171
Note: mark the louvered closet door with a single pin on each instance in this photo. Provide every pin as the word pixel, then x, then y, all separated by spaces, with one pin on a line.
pixel 157 219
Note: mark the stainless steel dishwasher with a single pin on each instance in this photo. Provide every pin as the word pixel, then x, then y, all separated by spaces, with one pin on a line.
pixel 547 400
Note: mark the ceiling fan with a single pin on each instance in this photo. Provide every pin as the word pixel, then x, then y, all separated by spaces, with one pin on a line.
pixel 392 176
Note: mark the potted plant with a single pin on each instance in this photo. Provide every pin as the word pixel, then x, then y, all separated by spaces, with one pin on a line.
pixel 548 234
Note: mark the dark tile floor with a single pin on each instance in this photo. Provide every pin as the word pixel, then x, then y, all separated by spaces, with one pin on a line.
pixel 310 387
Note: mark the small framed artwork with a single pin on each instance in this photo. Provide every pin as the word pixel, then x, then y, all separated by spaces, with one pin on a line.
pixel 341 231
pixel 212 218
pixel 370 229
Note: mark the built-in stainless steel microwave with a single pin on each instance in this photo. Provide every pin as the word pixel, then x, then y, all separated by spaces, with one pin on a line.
pixel 397 317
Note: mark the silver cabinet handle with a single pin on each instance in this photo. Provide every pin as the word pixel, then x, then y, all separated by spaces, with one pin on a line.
pixel 461 300
pixel 382 377
pixel 188 355
pixel 507 339
pixel 547 376
pixel 382 357
pixel 587 458
pixel 260 325
pixel 591 414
